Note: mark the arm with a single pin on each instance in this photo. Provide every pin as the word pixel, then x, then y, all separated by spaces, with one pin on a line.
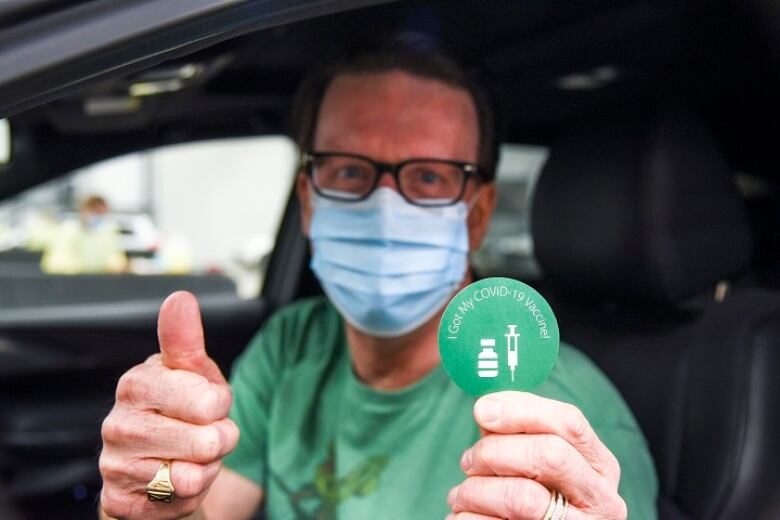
pixel 231 497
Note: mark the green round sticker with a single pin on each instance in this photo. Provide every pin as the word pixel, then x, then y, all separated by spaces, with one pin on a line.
pixel 498 334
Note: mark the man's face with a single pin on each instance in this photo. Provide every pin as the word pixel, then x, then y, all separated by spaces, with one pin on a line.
pixel 394 116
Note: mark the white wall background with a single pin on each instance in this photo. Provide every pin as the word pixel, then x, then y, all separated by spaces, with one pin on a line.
pixel 222 196
pixel 220 199
pixel 122 181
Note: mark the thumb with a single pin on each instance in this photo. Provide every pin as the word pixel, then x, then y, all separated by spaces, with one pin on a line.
pixel 180 332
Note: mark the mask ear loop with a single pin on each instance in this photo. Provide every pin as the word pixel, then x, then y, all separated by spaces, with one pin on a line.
pixel 473 201
pixel 469 206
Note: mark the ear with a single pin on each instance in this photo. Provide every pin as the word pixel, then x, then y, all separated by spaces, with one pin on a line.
pixel 479 217
pixel 303 190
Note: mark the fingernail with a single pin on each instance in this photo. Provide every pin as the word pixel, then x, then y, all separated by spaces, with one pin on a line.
pixel 451 497
pixel 450 517
pixel 465 460
pixel 488 409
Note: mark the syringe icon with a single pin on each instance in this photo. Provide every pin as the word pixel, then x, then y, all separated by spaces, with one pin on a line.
pixel 511 348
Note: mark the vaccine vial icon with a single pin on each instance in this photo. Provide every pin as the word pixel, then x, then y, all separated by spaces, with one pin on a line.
pixel 487 361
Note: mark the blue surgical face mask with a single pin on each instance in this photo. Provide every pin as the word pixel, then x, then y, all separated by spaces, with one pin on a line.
pixel 388 266
pixel 95 221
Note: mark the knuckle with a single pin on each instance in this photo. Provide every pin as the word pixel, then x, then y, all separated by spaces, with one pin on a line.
pixel 110 430
pixel 124 430
pixel 113 507
pixel 615 469
pixel 109 468
pixel 224 399
pixel 619 510
pixel 124 386
pixel 133 434
pixel 486 452
pixel 516 499
pixel 132 386
pixel 206 444
pixel 577 425
pixel 467 489
pixel 192 481
pixel 232 433
pixel 203 401
pixel 207 402
pixel 154 359
pixel 551 455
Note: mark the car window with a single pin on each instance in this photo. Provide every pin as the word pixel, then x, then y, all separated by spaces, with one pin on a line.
pixel 203 208
pixel 508 247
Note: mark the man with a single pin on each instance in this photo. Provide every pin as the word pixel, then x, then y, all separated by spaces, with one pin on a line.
pixel 342 406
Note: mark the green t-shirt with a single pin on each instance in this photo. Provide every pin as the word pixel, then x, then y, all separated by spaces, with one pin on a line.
pixel 323 445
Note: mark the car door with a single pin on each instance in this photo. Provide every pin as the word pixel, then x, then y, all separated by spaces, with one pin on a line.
pixel 65 339
pixel 67 335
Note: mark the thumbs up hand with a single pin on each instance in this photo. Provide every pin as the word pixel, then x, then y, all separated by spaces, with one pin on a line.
pixel 172 407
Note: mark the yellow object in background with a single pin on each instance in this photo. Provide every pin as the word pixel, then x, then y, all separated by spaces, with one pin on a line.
pixel 89 245
pixel 41 230
pixel 78 249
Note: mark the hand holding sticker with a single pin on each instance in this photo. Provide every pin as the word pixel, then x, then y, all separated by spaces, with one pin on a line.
pixel 498 334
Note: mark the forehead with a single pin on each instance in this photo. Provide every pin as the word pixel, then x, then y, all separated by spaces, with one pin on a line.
pixel 394 115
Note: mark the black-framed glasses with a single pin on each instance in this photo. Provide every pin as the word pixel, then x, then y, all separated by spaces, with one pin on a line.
pixel 423 182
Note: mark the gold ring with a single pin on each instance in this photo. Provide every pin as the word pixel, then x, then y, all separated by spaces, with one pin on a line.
pixel 561 506
pixel 551 507
pixel 558 506
pixel 160 489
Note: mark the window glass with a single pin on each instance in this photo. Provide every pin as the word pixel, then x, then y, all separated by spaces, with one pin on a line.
pixel 508 248
pixel 207 207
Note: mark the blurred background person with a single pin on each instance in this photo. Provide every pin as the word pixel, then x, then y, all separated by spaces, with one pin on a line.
pixel 89 244
pixel 42 228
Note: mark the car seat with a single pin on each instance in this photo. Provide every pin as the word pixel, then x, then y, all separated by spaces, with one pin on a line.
pixel 644 242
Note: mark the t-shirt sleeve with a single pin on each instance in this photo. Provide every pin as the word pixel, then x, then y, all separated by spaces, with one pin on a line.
pixel 255 375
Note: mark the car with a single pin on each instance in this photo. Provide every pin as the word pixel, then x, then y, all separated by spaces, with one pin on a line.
pixel 639 192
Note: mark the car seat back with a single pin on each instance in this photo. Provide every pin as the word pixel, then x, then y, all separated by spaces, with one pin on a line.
pixel 639 231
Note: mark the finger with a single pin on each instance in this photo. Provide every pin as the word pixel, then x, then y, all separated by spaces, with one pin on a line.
pixel 117 503
pixel 502 497
pixel 188 479
pixel 572 513
pixel 522 412
pixel 179 394
pixel 180 332
pixel 150 435
pixel 470 516
pixel 545 458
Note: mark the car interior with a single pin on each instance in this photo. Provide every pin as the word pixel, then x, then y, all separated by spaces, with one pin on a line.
pixel 653 228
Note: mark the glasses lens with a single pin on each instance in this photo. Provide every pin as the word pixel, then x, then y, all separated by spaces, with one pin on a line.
pixel 431 183
pixel 343 177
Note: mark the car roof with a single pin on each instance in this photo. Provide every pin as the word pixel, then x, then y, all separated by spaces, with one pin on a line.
pixel 547 63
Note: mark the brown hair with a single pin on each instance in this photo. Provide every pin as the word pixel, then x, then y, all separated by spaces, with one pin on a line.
pixel 94 203
pixel 397 55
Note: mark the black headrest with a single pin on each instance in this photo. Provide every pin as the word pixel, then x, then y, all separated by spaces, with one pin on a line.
pixel 640 208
